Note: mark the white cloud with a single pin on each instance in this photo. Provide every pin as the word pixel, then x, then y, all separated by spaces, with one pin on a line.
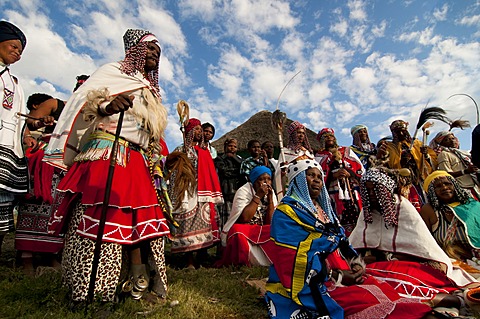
pixel 328 58
pixel 204 9
pixel 378 31
pixel 441 13
pixel 423 37
pixel 357 10
pixel 318 92
pixel 470 20
pixel 261 16
pixel 346 111
pixel 293 45
pixel 340 28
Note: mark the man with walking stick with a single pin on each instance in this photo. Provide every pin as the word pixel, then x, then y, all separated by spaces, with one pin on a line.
pixel 109 137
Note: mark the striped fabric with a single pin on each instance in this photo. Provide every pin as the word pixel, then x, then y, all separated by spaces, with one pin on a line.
pixel 13 172
pixel 6 213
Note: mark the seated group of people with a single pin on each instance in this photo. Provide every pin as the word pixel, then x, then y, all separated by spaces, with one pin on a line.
pixel 362 231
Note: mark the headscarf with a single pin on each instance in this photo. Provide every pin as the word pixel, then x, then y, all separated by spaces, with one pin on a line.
pixel 298 187
pixel 436 142
pixel 384 187
pixel 433 176
pixel 136 42
pixel 460 193
pixel 366 146
pixel 258 171
pixel 293 142
pixel 192 123
pixel 322 134
pixel 397 125
pixel 357 128
pixel 9 31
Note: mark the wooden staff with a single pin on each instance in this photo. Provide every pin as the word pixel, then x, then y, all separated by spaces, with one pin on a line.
pixel 32 117
pixel 426 132
pixel 103 216
pixel 278 119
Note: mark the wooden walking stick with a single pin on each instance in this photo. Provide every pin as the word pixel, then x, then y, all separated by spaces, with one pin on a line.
pixel 426 132
pixel 32 117
pixel 278 120
pixel 103 216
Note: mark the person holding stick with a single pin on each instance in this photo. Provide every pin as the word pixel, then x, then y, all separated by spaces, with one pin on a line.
pixel 405 152
pixel 132 216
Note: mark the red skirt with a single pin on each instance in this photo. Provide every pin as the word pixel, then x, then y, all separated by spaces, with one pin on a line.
pixel 133 213
pixel 376 299
pixel 42 174
pixel 240 237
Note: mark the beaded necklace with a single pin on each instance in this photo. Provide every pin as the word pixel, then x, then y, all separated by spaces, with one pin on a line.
pixel 7 94
pixel 321 213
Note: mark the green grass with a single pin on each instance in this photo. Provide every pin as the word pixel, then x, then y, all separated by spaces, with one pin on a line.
pixel 203 293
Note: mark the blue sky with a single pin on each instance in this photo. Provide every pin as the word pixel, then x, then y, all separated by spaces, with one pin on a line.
pixel 368 62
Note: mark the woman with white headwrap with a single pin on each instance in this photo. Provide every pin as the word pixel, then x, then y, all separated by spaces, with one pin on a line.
pixel 456 162
pixel 315 271
pixel 361 145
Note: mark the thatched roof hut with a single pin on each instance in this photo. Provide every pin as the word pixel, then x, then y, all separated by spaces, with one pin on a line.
pixel 260 127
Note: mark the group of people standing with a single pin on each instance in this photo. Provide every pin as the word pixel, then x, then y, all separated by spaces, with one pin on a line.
pixel 333 224
pixel 105 192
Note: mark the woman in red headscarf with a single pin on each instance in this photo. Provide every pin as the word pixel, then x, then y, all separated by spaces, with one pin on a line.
pixel 342 169
pixel 197 213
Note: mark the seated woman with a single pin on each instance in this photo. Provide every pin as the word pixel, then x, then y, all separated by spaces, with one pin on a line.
pixel 315 271
pixel 246 234
pixel 389 231
pixel 452 216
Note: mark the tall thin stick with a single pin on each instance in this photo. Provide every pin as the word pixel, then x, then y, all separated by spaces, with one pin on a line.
pixel 103 216
pixel 474 102
pixel 280 95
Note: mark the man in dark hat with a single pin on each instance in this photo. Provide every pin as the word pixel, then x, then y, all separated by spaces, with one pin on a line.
pixel 13 169
pixel 135 218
